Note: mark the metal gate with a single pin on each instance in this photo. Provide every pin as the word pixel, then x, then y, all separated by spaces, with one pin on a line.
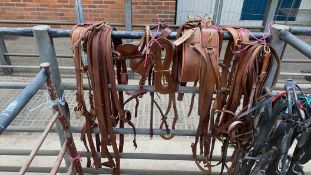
pixel 281 35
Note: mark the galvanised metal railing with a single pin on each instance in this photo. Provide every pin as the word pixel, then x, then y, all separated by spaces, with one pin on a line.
pixel 280 36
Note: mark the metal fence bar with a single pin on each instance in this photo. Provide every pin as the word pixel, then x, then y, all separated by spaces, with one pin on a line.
pixel 36 67
pixel 300 30
pixel 153 156
pixel 295 61
pixel 47 54
pixel 295 42
pixel 216 8
pixel 128 14
pixel 278 44
pixel 34 55
pixel 13 108
pixel 59 159
pixel 71 67
pixel 38 145
pixel 4 59
pixel 112 24
pixel 115 34
pixel 79 12
pixel 218 18
pixel 181 89
pixel 269 14
pixel 104 171
pixel 139 131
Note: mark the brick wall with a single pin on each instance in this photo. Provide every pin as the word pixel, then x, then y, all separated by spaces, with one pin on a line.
pixel 143 11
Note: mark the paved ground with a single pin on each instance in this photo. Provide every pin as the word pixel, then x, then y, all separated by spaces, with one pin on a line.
pixel 39 117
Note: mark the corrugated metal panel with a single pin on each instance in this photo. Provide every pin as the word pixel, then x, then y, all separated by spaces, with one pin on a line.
pixel 193 8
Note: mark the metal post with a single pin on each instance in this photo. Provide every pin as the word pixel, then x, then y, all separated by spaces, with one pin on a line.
pixel 269 14
pixel 128 26
pixel 79 12
pixel 47 54
pixel 4 59
pixel 278 44
pixel 64 119
pixel 128 14
pixel 216 10
pixel 279 47
pixel 219 12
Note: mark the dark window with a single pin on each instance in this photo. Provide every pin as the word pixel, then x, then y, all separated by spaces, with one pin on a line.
pixel 255 9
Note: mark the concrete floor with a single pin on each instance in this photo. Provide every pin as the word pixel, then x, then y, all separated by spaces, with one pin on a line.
pixel 41 116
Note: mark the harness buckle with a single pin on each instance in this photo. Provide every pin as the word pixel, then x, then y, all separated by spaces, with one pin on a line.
pixel 209 50
pixel 78 111
pixel 210 37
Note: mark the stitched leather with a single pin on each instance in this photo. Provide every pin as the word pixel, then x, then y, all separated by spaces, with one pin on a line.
pixel 247 73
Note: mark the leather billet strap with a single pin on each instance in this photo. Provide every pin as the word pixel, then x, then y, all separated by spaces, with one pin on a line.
pixel 247 83
pixel 248 70
pixel 76 35
pixel 232 57
pixel 163 80
pixel 98 34
pixel 106 105
pixel 208 48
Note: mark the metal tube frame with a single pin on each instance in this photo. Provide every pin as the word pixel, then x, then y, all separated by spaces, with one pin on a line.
pixel 4 59
pixel 59 159
pixel 181 89
pixel 153 156
pixel 112 24
pixel 11 111
pixel 105 171
pixel 47 54
pixel 295 42
pixel 38 145
pixel 63 128
pixel 284 36
pixel 60 33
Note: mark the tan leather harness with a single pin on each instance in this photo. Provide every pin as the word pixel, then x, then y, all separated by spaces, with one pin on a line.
pixel 243 75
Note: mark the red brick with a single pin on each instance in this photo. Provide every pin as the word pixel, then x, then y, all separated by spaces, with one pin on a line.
pixel 143 11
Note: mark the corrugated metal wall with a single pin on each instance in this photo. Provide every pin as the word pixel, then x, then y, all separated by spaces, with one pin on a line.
pixel 233 10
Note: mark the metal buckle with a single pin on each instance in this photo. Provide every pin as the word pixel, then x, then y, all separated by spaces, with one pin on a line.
pixel 78 111
pixel 267 49
pixel 209 49
pixel 209 39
